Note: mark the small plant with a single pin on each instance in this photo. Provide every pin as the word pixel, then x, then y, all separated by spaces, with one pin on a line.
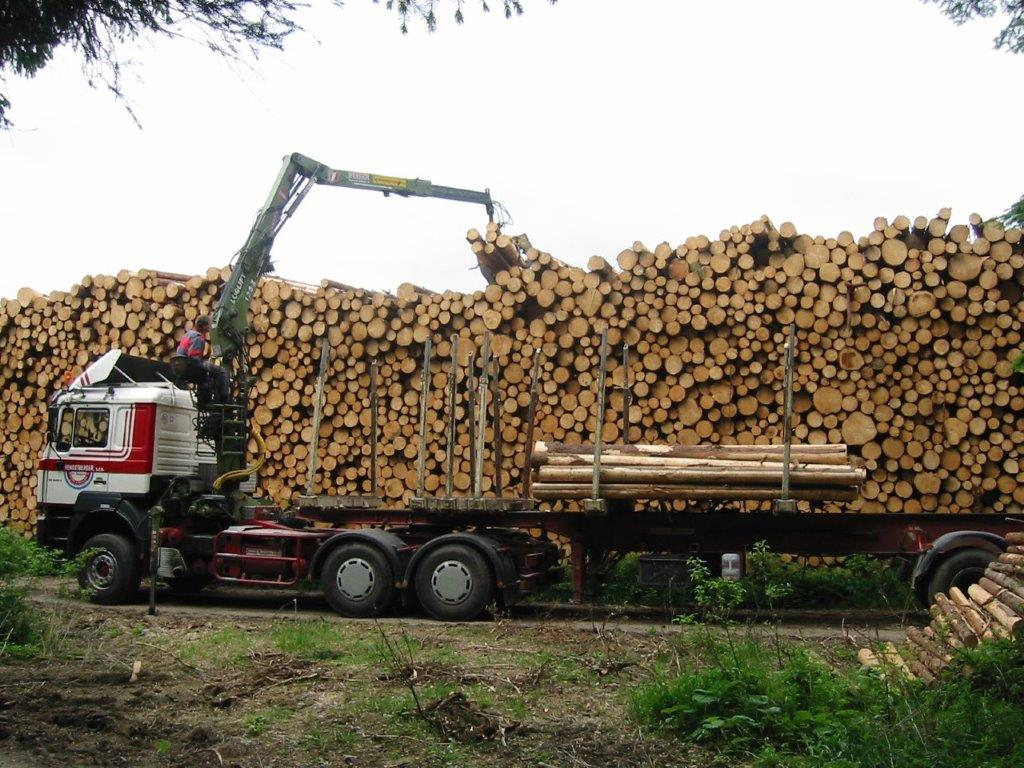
pixel 162 746
pixel 782 706
pixel 21 559
pixel 256 723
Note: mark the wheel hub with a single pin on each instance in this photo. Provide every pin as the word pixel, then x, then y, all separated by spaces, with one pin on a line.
pixel 356 579
pixel 101 571
pixel 451 582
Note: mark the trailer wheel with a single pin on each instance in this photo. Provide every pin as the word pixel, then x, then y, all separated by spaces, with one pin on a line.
pixel 357 581
pixel 113 571
pixel 454 583
pixel 959 569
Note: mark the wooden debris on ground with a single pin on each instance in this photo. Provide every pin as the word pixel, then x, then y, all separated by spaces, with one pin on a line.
pixel 992 608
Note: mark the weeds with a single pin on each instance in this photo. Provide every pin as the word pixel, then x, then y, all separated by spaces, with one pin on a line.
pixel 782 706
pixel 22 632
pixel 860 581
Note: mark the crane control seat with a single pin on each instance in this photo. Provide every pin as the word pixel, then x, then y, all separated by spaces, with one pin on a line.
pixel 188 371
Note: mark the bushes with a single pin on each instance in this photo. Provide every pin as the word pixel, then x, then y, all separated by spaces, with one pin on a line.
pixel 860 581
pixel 782 705
pixel 802 712
pixel 20 630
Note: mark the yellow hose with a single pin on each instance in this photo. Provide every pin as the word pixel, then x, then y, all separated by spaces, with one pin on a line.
pixel 241 474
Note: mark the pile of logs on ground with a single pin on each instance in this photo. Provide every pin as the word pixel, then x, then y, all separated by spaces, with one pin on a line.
pixel 992 608
pixel 694 473
pixel 904 336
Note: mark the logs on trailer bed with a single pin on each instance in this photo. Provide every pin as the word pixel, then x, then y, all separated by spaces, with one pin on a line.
pixel 904 340
pixel 651 472
pixel 992 608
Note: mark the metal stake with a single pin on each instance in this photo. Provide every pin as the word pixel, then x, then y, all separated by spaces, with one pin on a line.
pixel 373 427
pixel 481 427
pixel 449 479
pixel 421 461
pixel 596 503
pixel 627 394
pixel 531 417
pixel 314 447
pixel 784 503
pixel 471 412
pixel 499 458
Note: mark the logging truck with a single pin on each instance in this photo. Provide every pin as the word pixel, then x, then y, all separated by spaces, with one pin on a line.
pixel 147 472
pixel 128 476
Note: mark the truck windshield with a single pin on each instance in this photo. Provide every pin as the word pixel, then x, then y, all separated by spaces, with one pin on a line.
pixel 91 427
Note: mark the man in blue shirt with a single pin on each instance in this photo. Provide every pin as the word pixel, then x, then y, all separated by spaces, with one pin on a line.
pixel 192 347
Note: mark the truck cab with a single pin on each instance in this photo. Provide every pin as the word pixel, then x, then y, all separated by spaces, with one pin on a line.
pixel 117 436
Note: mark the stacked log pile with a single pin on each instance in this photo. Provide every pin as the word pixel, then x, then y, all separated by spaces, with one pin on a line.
pixel 992 608
pixel 904 342
pixel 694 473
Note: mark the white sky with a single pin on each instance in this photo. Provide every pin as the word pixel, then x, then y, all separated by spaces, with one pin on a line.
pixel 596 122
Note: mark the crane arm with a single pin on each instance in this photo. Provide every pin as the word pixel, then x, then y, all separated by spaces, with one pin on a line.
pixel 297 176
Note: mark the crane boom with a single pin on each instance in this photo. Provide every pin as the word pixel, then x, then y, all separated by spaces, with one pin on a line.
pixel 228 422
pixel 297 176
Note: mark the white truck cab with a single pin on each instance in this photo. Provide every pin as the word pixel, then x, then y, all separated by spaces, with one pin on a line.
pixel 118 433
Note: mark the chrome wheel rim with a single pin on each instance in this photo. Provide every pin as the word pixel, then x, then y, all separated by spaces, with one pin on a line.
pixel 101 571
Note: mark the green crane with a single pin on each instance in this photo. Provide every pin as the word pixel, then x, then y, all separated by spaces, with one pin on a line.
pixel 228 423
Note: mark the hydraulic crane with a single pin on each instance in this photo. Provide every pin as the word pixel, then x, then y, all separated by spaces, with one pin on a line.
pixel 227 423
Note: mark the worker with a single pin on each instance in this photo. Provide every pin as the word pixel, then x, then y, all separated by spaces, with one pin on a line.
pixel 192 348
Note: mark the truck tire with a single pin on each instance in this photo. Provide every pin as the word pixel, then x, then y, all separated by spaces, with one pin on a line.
pixel 358 581
pixel 454 583
pixel 113 571
pixel 960 569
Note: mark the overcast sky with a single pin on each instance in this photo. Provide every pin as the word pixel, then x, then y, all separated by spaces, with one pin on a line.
pixel 596 122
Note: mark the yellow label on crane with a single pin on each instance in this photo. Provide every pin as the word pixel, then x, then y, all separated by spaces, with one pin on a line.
pixel 389 181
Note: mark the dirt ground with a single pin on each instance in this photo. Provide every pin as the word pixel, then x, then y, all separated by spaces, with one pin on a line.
pixel 225 682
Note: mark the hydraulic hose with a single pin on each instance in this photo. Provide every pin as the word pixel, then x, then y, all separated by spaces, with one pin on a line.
pixel 241 474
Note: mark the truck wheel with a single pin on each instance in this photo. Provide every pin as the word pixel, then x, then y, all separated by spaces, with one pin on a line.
pixel 113 571
pixel 959 569
pixel 454 583
pixel 357 581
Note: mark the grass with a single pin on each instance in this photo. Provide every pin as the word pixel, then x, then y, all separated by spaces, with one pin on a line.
pixel 256 723
pixel 221 648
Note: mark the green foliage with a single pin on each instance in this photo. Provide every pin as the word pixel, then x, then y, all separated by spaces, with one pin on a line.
pixel 792 709
pixel 1011 37
pixel 1013 216
pixel 860 581
pixel 256 723
pixel 715 598
pixel 620 586
pixel 20 556
pixel 18 626
pixel 21 632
